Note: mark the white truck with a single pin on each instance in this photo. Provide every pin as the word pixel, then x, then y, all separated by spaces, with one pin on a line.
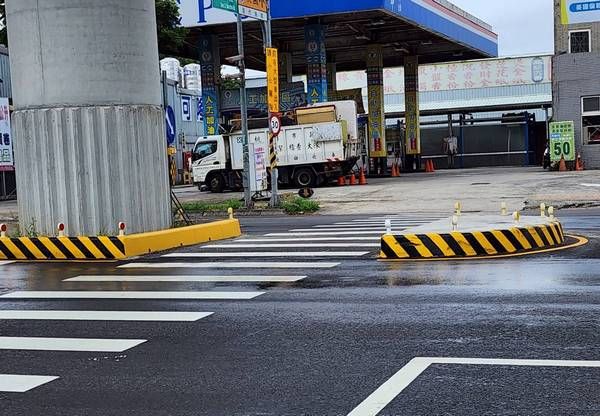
pixel 307 154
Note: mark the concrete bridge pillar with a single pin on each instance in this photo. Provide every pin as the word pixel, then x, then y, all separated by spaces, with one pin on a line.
pixel 88 124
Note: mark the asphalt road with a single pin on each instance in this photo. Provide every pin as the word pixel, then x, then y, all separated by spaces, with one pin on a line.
pixel 321 345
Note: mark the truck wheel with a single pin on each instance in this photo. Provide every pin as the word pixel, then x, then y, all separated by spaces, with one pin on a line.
pixel 305 178
pixel 216 184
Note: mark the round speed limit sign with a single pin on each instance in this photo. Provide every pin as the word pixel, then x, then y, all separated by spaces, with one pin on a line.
pixel 275 123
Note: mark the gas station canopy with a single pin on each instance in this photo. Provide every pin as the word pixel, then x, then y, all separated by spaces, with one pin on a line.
pixel 435 30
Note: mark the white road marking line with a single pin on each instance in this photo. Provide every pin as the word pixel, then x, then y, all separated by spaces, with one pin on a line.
pixel 13 383
pixel 231 265
pixel 293 245
pixel 270 240
pixel 130 295
pixel 178 278
pixel 309 230
pixel 591 185
pixel 103 315
pixel 323 232
pixel 249 254
pixel 68 344
pixel 389 390
pixel 4 263
pixel 368 224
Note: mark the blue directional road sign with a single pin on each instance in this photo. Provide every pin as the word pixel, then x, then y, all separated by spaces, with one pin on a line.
pixel 170 122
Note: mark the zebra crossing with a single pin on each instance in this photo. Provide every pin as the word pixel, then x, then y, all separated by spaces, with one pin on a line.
pixel 306 250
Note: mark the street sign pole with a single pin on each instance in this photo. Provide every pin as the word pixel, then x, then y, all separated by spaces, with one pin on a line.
pixel 244 111
pixel 274 171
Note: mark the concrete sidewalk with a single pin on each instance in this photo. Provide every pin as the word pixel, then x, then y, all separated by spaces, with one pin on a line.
pixel 479 190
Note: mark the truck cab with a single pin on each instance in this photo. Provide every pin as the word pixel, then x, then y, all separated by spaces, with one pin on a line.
pixel 209 161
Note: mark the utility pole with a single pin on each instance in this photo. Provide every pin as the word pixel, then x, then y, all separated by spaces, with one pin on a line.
pixel 274 171
pixel 244 110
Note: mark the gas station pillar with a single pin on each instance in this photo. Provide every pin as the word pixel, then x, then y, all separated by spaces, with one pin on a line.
pixel 377 144
pixel 210 73
pixel 411 94
pixel 331 79
pixel 316 63
pixel 90 147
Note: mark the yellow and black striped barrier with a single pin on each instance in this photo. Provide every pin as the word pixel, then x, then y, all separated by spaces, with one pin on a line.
pixel 115 248
pixel 62 248
pixel 472 244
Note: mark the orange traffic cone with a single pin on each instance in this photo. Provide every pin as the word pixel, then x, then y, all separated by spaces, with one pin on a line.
pixel 579 163
pixel 394 170
pixel 431 166
pixel 562 167
pixel 362 179
pixel 397 170
pixel 342 180
pixel 353 179
pixel 427 166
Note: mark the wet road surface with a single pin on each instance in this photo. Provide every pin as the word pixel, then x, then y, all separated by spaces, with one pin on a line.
pixel 304 334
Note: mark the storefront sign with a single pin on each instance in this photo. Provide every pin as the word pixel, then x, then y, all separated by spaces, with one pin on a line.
pixel 578 11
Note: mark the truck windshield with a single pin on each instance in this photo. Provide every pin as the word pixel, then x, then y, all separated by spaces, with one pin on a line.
pixel 205 149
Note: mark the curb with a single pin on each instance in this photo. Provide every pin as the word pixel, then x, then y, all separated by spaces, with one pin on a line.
pixel 114 248
pixel 487 243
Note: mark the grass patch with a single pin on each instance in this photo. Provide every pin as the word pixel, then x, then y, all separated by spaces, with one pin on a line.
pixel 297 205
pixel 199 206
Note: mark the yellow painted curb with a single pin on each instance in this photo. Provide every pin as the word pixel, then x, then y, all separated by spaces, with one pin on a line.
pixel 138 244
pixel 114 248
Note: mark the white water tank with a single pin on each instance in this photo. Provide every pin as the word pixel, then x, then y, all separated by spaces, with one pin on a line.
pixel 191 74
pixel 172 67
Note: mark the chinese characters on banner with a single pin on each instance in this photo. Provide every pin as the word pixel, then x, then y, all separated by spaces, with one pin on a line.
pixel 578 11
pixel 210 68
pixel 6 148
pixel 316 63
pixel 461 75
pixel 562 141
pixel 253 8
pixel 273 80
pixel 411 95
pixel 377 144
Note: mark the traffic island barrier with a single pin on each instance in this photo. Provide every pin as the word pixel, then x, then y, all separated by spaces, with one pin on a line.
pixel 114 248
pixel 531 235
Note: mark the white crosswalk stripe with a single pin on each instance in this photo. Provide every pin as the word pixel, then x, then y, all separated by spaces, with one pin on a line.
pixel 68 344
pixel 46 315
pixel 308 239
pixel 14 383
pixel 316 233
pixel 311 230
pixel 110 294
pixel 231 265
pixel 271 254
pixel 291 245
pixel 183 278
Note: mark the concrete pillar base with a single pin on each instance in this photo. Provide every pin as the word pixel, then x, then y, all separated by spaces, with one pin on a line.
pixel 61 154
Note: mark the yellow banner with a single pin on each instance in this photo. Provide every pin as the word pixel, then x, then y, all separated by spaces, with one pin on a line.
pixel 411 94
pixel 260 5
pixel 273 80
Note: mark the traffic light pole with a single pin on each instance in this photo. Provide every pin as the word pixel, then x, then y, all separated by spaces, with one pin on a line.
pixel 244 110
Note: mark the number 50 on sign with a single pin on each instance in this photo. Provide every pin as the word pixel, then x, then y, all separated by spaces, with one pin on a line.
pixel 562 141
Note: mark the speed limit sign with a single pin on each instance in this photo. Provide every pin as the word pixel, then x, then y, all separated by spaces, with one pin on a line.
pixel 275 124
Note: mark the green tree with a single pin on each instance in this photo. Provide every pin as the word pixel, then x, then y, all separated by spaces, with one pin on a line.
pixel 171 36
